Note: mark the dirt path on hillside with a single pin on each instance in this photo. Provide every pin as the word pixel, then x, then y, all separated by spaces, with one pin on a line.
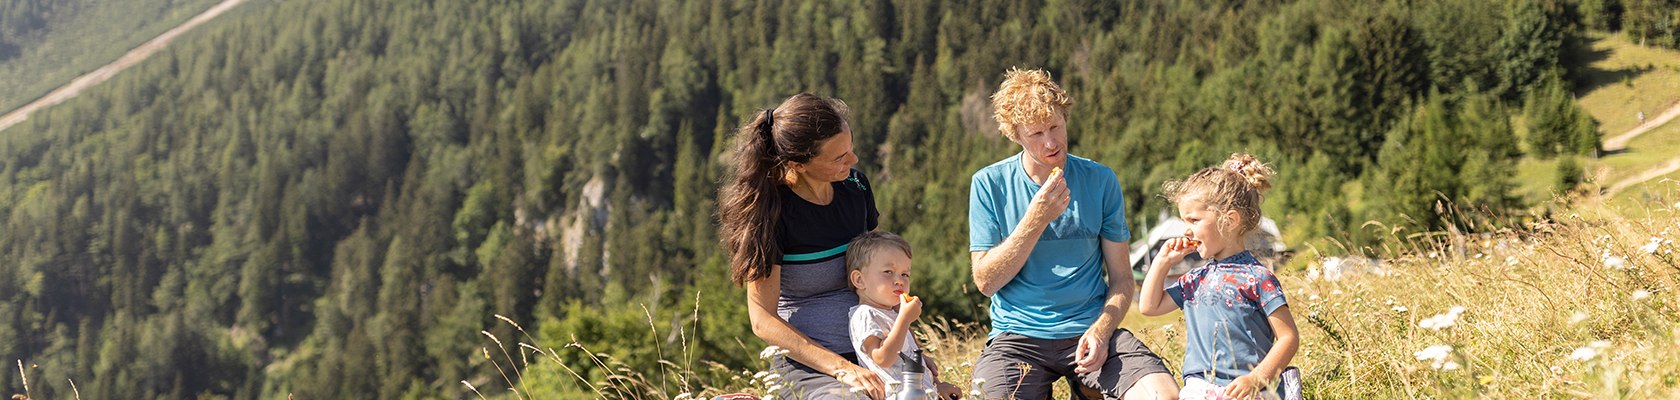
pixel 106 72
pixel 1666 168
pixel 1620 141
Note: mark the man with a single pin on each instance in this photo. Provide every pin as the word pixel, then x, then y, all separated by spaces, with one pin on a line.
pixel 1048 234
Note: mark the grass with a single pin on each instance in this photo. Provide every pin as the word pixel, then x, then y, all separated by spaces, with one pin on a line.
pixel 1537 179
pixel 1635 200
pixel 1622 78
pixel 97 33
pixel 1584 306
pixel 1644 152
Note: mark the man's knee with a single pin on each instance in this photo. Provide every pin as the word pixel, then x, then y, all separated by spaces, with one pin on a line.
pixel 1157 386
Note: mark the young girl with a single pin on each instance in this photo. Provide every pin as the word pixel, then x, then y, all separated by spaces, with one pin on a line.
pixel 1239 331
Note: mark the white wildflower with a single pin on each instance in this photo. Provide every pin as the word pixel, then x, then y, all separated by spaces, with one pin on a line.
pixel 768 397
pixel 1655 244
pixel 771 351
pixel 1589 351
pixel 760 375
pixel 1436 352
pixel 1437 357
pixel 1510 261
pixel 1613 261
pixel 1400 309
pixel 1442 321
pixel 1577 317
pixel 1583 353
pixel 683 396
pixel 774 388
pixel 1641 294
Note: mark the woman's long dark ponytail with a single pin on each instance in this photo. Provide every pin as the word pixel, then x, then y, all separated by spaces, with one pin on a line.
pixel 749 205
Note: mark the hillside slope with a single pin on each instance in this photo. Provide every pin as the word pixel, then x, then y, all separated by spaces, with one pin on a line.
pixel 46 43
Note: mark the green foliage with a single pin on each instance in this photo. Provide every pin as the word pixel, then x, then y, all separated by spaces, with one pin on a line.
pixel 1601 15
pixel 1569 174
pixel 1449 153
pixel 1652 22
pixel 1529 47
pixel 1556 123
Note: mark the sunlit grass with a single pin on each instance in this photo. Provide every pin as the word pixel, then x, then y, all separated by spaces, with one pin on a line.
pixel 1629 78
pixel 1645 152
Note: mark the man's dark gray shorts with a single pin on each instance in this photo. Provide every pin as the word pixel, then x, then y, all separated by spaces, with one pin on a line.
pixel 1034 364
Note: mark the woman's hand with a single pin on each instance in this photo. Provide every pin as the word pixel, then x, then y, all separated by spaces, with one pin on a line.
pixel 859 377
pixel 948 391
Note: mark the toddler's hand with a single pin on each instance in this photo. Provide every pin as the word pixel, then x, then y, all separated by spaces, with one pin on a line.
pixel 909 308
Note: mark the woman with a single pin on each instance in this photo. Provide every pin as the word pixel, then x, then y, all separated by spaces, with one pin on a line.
pixel 787 214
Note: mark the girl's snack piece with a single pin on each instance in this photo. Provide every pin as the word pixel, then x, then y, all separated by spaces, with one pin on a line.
pixel 905 297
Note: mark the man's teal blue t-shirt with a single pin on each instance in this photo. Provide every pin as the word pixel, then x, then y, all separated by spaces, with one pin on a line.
pixel 1060 291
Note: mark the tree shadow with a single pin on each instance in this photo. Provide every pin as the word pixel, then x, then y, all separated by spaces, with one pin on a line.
pixel 8 51
pixel 1581 55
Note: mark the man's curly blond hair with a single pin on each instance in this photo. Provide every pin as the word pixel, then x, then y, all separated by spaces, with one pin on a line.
pixel 1027 97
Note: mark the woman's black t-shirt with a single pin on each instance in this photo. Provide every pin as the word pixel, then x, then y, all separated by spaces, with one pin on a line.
pixel 816 296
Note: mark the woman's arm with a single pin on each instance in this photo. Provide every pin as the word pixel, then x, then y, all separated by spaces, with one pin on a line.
pixel 762 295
pixel 1153 300
pixel 1283 350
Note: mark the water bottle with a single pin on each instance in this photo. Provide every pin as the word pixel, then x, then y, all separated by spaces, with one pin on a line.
pixel 911 386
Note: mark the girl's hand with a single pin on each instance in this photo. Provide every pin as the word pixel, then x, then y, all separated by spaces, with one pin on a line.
pixel 859 377
pixel 1177 248
pixel 1245 387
